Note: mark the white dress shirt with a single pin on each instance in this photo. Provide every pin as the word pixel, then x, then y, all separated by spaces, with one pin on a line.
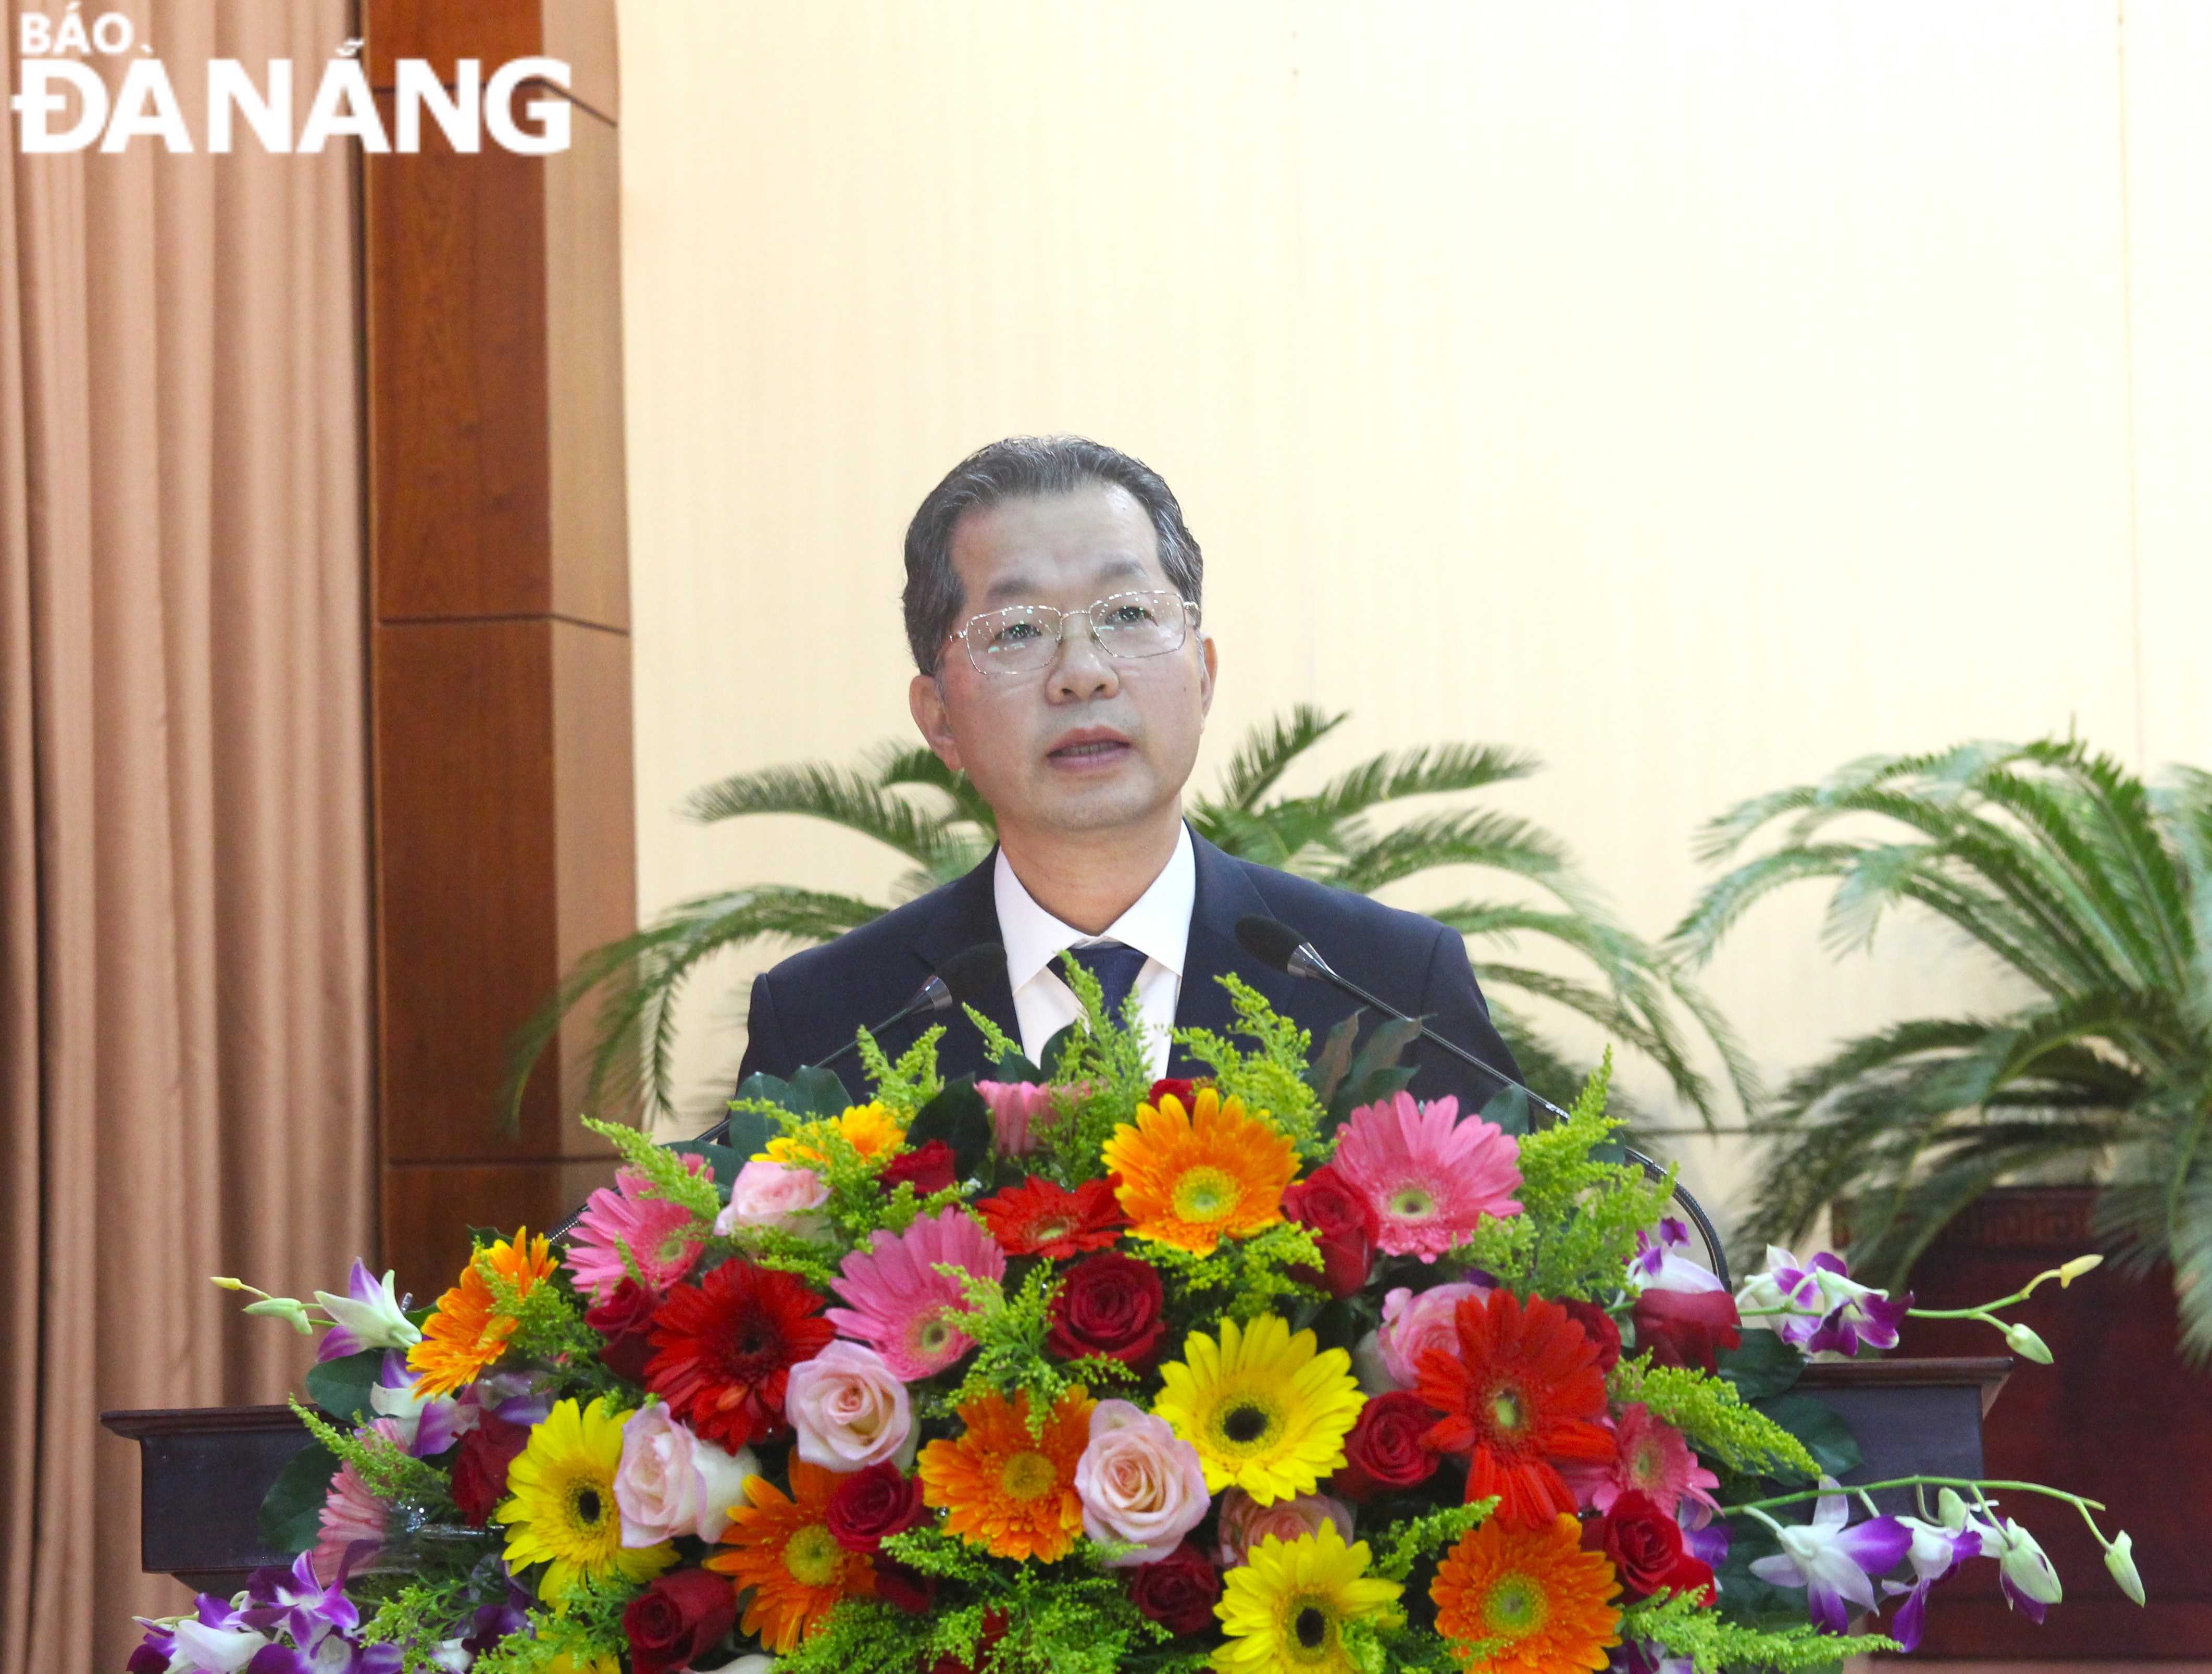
pixel 1157 924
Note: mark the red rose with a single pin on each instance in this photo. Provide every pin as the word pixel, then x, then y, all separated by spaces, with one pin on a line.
pixel 1385 1449
pixel 1343 1222
pixel 1601 1329
pixel 1178 1592
pixel 1109 1306
pixel 928 1168
pixel 905 1586
pixel 621 1316
pixel 871 1505
pixel 1685 1327
pixel 480 1468
pixel 680 1615
pixel 1187 1092
pixel 1646 1549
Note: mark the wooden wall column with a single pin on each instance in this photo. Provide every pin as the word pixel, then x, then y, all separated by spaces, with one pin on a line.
pixel 505 837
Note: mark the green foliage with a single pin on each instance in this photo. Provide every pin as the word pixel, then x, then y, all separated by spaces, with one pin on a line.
pixel 1428 1536
pixel 417 1616
pixel 667 1175
pixel 906 800
pixel 788 1252
pixel 1243 1279
pixel 385 1470
pixel 1579 1216
pixel 1711 1414
pixel 1009 1333
pixel 585 1624
pixel 291 1515
pixel 340 1387
pixel 913 1082
pixel 1271 1078
pixel 1713 1644
pixel 1104 1071
pixel 2093 892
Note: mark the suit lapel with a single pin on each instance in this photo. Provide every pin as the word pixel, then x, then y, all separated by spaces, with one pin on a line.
pixel 1224 895
pixel 969 914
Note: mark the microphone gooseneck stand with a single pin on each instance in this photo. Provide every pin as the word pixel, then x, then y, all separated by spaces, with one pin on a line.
pixel 1276 944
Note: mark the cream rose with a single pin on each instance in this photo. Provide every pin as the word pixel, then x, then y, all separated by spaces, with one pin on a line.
pixel 1140 1483
pixel 1245 1523
pixel 768 1194
pixel 848 1408
pixel 669 1482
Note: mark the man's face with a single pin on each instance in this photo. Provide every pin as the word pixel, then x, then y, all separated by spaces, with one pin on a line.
pixel 1090 743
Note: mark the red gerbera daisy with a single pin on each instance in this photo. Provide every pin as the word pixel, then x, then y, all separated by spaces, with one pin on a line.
pixel 1037 1217
pixel 1524 1390
pixel 724 1349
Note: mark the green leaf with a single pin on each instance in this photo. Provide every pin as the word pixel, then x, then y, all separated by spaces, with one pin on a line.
pixel 292 1510
pixel 818 1092
pixel 1359 1091
pixel 1509 1109
pixel 340 1387
pixel 1764 1366
pixel 1054 1050
pixel 1385 1046
pixel 749 1131
pixel 1013 1067
pixel 959 1117
pixel 1819 1426
pixel 725 1159
pixel 1333 1062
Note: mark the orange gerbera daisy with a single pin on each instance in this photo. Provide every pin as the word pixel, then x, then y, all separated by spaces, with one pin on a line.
pixel 783 1550
pixel 469 1330
pixel 1522 1393
pixel 1532 1595
pixel 1004 1491
pixel 1192 1179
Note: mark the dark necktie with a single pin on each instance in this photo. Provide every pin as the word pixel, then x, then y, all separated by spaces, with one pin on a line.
pixel 1115 964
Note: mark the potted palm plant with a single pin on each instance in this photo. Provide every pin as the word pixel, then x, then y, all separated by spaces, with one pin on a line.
pixel 908 801
pixel 2081 1112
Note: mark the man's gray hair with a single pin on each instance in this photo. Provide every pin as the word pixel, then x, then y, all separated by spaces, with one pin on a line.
pixel 1017 468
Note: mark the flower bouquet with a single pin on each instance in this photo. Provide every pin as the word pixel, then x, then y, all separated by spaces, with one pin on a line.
pixel 1072 1371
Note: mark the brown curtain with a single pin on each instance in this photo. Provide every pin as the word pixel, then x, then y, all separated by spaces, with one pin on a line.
pixel 183 948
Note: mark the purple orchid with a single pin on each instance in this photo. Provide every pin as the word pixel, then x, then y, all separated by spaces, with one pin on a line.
pixel 494 1622
pixel 1817 1304
pixel 1834 1564
pixel 1654 1266
pixel 429 1425
pixel 368 1316
pixel 1703 1536
pixel 1935 1552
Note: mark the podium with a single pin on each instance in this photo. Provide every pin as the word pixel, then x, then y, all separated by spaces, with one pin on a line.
pixel 204 1471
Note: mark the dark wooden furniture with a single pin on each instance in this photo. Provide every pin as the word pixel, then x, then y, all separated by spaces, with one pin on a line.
pixel 202 1472
pixel 500 696
pixel 1910 1417
pixel 2117 1418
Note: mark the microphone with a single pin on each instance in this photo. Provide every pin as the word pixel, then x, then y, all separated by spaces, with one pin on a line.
pixel 960 981
pixel 1275 943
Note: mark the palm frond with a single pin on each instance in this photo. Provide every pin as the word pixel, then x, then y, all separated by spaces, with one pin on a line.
pixel 1470 837
pixel 1267 753
pixel 1432 770
pixel 859 802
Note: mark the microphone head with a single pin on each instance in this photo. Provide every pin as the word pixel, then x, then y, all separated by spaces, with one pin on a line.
pixel 969 972
pixel 1270 942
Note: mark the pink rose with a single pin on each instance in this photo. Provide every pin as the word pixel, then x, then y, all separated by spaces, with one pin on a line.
pixel 768 1194
pixel 848 1408
pixel 669 1482
pixel 1414 1322
pixel 1140 1484
pixel 1245 1523
pixel 1018 1110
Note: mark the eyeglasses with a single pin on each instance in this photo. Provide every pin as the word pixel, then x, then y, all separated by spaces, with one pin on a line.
pixel 1024 638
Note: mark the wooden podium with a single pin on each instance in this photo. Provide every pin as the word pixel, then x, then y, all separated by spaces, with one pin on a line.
pixel 204 1471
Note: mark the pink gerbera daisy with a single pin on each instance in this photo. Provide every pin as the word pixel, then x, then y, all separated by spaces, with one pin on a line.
pixel 664 1238
pixel 351 1514
pixel 1650 1457
pixel 900 1299
pixel 1429 1177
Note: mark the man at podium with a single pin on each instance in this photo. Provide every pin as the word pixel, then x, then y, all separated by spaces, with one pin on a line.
pixel 1053 606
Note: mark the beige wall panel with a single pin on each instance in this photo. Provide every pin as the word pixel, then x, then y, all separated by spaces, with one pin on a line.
pixel 1701 397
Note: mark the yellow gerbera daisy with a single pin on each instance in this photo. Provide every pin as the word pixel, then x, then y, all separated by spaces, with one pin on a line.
pixel 560 1509
pixel 783 1556
pixel 1533 1596
pixel 469 1331
pixel 870 1129
pixel 1284 1608
pixel 1264 1410
pixel 1004 1491
pixel 1192 1179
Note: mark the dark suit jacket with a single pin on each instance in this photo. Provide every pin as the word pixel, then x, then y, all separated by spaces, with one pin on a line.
pixel 810 1004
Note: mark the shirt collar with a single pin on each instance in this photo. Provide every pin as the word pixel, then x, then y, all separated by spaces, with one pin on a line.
pixel 1157 923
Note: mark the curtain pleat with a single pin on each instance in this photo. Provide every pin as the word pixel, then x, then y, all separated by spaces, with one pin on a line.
pixel 184 981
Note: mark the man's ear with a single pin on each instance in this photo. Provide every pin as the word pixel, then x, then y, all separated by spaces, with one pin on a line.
pixel 925 698
pixel 1208 661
